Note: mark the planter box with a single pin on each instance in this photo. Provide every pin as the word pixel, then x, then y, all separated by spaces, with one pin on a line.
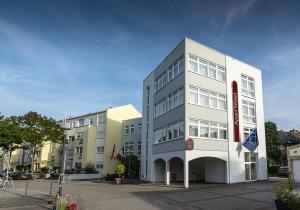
pixel 280 205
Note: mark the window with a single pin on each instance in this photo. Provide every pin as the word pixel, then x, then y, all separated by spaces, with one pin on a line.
pixel 193 64
pixel 101 118
pixel 168 103
pixel 126 129
pixel 100 150
pixel 139 147
pixel 248 86
pixel 193 128
pixel 140 128
pixel 73 124
pixel 206 129
pixel 206 68
pixel 131 129
pixel 203 67
pixel 248 112
pixel 99 165
pixel 100 135
pixel 204 101
pixel 221 101
pixel 79 151
pixel 213 102
pixel 247 132
pixel 91 121
pixel 193 96
pixel 172 72
pixel 207 98
pixel 78 165
pixel 160 135
pixel 128 148
pixel 221 73
pixel 71 138
pixel 81 122
pixel 171 132
pixel 79 137
pixel 250 166
pixel 222 131
pixel 212 71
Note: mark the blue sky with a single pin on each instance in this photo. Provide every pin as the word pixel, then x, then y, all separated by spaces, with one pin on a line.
pixel 75 57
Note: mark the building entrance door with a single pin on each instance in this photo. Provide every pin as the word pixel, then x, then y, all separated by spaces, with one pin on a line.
pixel 250 166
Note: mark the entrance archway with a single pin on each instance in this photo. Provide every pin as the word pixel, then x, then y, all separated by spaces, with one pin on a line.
pixel 208 169
pixel 176 170
pixel 160 170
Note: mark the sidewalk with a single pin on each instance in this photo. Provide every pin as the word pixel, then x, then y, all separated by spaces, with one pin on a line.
pixel 10 200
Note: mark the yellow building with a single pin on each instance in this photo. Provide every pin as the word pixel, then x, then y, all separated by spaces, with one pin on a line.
pixel 96 138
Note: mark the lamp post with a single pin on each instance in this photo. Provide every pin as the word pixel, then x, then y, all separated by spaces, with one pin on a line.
pixel 61 176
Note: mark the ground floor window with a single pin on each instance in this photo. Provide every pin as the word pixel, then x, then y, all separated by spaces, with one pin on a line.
pixel 78 165
pixel 250 166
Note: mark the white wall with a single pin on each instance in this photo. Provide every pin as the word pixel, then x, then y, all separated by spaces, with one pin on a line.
pixel 215 170
pixel 234 70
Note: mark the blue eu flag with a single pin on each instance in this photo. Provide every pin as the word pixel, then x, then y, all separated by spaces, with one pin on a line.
pixel 252 141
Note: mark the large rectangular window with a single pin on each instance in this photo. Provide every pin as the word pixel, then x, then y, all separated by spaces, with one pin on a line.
pixel 171 73
pixel 249 112
pixel 248 88
pixel 171 132
pixel 207 98
pixel 206 129
pixel 168 103
pixel 206 68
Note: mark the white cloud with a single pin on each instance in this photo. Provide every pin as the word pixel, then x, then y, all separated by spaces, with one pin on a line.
pixel 236 11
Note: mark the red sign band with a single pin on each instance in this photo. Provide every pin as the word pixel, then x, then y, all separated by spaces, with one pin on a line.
pixel 235 104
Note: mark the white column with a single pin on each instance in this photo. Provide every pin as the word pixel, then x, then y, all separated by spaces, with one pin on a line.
pixel 167 172
pixel 186 174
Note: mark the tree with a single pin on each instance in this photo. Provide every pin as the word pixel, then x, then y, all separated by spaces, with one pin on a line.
pixel 132 164
pixel 10 134
pixel 272 143
pixel 36 130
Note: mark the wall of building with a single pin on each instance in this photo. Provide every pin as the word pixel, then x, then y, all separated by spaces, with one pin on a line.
pixel 235 69
pixel 115 116
pixel 135 137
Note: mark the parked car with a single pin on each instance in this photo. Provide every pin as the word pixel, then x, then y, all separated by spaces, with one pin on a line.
pixel 20 175
pixel 283 171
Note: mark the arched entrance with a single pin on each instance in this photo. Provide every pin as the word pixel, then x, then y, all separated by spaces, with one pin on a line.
pixel 208 169
pixel 160 170
pixel 176 170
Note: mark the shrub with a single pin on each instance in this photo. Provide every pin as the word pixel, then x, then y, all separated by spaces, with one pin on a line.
pixel 110 177
pixel 90 168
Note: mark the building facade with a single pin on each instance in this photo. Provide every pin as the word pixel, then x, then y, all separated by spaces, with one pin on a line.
pixel 96 138
pixel 132 137
pixel 199 105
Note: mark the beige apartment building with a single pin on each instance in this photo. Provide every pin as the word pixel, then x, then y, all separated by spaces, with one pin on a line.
pixel 96 138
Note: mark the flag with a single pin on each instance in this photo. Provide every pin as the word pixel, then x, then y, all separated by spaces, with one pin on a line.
pixel 113 152
pixel 120 155
pixel 251 142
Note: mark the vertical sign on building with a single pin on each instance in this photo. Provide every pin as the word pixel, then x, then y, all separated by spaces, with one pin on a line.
pixel 235 102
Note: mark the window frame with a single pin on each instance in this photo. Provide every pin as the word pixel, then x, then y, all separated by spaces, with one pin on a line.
pixel 208 65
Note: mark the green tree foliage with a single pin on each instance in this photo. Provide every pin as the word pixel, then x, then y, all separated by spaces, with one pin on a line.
pixel 272 143
pixel 132 164
pixel 10 134
pixel 37 130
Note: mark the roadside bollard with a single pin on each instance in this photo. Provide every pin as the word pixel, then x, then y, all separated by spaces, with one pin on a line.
pixel 26 188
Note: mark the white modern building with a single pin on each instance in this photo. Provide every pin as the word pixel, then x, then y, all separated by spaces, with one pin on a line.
pixel 199 105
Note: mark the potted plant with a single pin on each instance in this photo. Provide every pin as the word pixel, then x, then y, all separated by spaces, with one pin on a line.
pixel 287 197
pixel 120 172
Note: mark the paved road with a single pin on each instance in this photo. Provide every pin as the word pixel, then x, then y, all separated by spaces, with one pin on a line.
pixel 95 195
